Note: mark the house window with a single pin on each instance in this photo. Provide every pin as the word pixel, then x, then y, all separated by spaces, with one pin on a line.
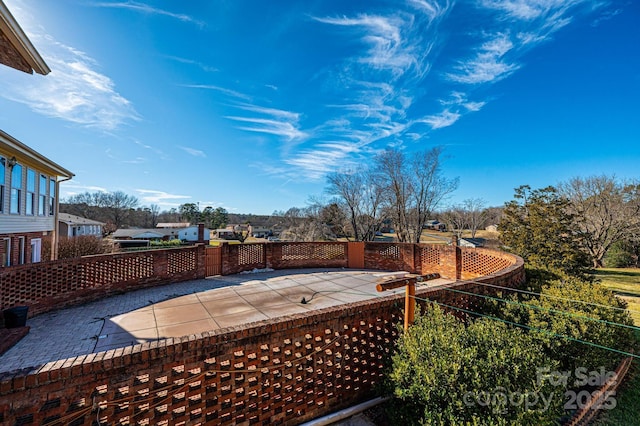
pixel 31 192
pixel 2 172
pixel 52 197
pixel 21 248
pixel 42 196
pixel 16 189
pixel 6 252
pixel 36 247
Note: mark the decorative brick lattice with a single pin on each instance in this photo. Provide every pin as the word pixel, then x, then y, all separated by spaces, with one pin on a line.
pixel 110 271
pixel 249 254
pixel 429 255
pixel 274 378
pixel 479 263
pixel 279 371
pixel 392 252
pixel 52 285
pixel 180 261
pixel 313 251
pixel 22 284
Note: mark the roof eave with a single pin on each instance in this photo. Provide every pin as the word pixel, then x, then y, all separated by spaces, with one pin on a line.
pixel 28 152
pixel 21 42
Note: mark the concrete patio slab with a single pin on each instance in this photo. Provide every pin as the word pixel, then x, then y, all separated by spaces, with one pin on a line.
pixel 186 308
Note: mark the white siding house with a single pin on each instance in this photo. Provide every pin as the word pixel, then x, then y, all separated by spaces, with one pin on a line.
pixel 29 195
pixel 190 234
pixel 74 226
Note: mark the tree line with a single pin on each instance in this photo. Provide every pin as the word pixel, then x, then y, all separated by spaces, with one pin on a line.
pixel 120 210
pixel 575 225
pixel 596 219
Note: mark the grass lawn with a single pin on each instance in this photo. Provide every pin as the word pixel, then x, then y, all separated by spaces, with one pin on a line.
pixel 626 284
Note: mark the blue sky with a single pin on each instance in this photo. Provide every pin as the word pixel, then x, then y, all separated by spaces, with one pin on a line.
pixel 249 104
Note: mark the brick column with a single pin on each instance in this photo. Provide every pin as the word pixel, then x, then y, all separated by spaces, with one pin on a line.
pixel 458 256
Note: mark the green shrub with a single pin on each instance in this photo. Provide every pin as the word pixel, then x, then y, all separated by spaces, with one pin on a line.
pixel 620 255
pixel 446 373
pixel 83 245
pixel 559 311
pixel 170 243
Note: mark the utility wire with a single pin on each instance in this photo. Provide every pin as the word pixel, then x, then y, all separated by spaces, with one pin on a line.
pixel 558 311
pixel 150 397
pixel 550 296
pixel 530 328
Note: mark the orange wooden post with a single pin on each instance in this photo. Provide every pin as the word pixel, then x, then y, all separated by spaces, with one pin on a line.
pixel 409 304
pixel 410 293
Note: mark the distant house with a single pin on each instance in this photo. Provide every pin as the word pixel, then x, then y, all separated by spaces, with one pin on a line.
pixel 74 226
pixel 471 242
pixel 225 234
pixel 190 234
pixel 173 225
pixel 435 225
pixel 29 195
pixel 260 231
pixel 143 234
pixel 491 228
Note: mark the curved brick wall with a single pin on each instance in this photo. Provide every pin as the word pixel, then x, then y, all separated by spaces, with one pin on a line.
pixel 278 371
pixel 54 285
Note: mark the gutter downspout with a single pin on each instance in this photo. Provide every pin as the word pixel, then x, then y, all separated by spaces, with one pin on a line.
pixel 346 413
pixel 56 225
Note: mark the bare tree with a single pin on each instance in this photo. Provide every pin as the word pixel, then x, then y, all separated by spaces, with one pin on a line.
pixel 476 214
pixel 398 189
pixel 154 211
pixel 111 207
pixel 348 187
pixel 456 219
pixel 414 188
pixel 606 211
pixel 430 188
pixel 360 195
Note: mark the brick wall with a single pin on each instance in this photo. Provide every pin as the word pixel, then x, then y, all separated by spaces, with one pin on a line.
pixel 278 371
pixel 15 252
pixel 53 285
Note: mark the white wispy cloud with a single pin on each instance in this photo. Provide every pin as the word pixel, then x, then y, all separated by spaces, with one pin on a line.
pixel 387 49
pixel 162 198
pixel 137 160
pixel 228 92
pixel 284 129
pixel 537 20
pixel 376 87
pixel 528 9
pixel 271 121
pixel 609 14
pixel 198 64
pixel 445 118
pixel 193 151
pixel 433 9
pixel 324 158
pixel 75 90
pixel 474 106
pixel 73 187
pixel 489 64
pixel 146 9
pixel 459 99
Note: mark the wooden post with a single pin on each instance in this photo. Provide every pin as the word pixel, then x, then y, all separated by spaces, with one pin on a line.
pixel 409 282
pixel 409 304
